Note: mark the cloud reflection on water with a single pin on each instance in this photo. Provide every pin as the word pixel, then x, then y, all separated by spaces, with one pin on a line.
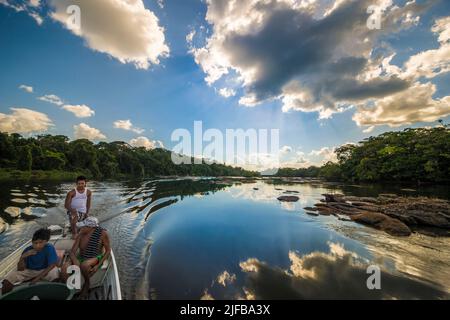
pixel 338 274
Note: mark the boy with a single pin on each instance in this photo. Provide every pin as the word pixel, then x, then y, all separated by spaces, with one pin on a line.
pixel 78 203
pixel 38 262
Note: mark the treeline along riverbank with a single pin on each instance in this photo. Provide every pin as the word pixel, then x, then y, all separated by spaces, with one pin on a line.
pixel 57 158
pixel 419 155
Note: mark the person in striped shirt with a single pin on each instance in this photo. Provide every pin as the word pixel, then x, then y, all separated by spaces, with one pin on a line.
pixel 90 249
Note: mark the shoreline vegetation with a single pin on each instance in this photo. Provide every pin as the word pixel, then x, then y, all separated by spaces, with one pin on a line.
pixel 414 156
pixel 48 157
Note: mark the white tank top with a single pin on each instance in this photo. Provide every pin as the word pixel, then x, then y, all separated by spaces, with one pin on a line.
pixel 79 201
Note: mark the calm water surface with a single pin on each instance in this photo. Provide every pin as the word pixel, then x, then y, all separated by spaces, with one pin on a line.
pixel 223 239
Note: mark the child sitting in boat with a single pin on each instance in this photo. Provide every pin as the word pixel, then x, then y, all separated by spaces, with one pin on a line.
pixel 38 262
pixel 90 249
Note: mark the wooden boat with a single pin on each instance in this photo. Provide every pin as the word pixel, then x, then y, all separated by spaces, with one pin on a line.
pixel 105 283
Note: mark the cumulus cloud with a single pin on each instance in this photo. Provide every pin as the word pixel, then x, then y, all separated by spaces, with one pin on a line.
pixel 26 88
pixel 29 6
pixel 431 63
pixel 406 107
pixel 323 155
pixel 127 125
pixel 80 111
pixel 123 29
pixel 51 98
pixel 144 142
pixel 227 92
pixel 23 120
pixel 285 149
pixel 315 56
pixel 84 131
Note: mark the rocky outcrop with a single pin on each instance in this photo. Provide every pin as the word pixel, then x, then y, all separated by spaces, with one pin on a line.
pixel 381 221
pixel 394 214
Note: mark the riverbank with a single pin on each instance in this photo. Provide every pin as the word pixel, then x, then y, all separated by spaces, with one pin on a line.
pixel 38 175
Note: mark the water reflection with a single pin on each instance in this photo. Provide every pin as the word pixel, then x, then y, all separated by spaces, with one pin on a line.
pixel 217 239
pixel 338 274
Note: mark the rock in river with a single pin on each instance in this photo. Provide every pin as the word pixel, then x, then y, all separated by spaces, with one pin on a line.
pixel 13 212
pixel 3 225
pixel 381 221
pixel 288 198
pixel 394 214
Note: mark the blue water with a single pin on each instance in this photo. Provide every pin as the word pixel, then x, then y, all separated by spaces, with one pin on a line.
pixel 206 239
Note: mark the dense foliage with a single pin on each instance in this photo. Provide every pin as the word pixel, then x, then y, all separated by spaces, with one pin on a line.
pixel 413 155
pixel 102 160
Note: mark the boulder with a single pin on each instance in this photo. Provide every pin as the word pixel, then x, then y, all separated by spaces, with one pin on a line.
pixel 13 212
pixel 3 226
pixel 383 222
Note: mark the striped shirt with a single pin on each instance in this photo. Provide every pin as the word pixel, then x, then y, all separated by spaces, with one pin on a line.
pixel 93 248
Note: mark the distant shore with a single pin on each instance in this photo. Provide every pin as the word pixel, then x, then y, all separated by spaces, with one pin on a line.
pixel 38 175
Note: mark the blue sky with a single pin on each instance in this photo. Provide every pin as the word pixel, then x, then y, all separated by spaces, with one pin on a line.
pixel 173 93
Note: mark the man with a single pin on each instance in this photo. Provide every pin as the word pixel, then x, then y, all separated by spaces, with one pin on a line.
pixel 93 248
pixel 38 262
pixel 78 204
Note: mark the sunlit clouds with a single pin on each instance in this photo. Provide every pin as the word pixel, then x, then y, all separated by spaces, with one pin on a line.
pixel 123 29
pixel 23 120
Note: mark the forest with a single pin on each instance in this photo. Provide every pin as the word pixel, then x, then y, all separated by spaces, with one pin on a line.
pixel 114 160
pixel 412 155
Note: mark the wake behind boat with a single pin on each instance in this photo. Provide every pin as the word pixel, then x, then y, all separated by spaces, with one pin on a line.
pixel 104 285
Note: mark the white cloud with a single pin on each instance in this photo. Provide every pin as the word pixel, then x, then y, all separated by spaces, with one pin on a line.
pixel 80 111
pixel 227 92
pixel 323 155
pixel 144 142
pixel 26 88
pixel 123 29
pixel 431 63
pixel 278 50
pixel 34 3
pixel 412 105
pixel 30 7
pixel 285 149
pixel 23 120
pixel 83 131
pixel 51 98
pixel 127 125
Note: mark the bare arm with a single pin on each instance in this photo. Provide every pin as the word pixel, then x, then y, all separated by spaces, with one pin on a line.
pixel 106 246
pixel 73 251
pixel 68 201
pixel 21 265
pixel 88 202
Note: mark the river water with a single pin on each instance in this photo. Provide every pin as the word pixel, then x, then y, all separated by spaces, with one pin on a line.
pixel 199 238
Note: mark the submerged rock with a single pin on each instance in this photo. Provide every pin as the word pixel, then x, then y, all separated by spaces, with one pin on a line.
pixel 288 198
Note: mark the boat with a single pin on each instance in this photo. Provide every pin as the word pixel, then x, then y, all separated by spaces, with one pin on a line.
pixel 105 284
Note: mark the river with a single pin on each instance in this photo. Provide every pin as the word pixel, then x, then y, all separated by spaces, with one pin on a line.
pixel 201 238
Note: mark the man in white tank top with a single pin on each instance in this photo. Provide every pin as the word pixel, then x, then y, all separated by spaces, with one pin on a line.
pixel 78 203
